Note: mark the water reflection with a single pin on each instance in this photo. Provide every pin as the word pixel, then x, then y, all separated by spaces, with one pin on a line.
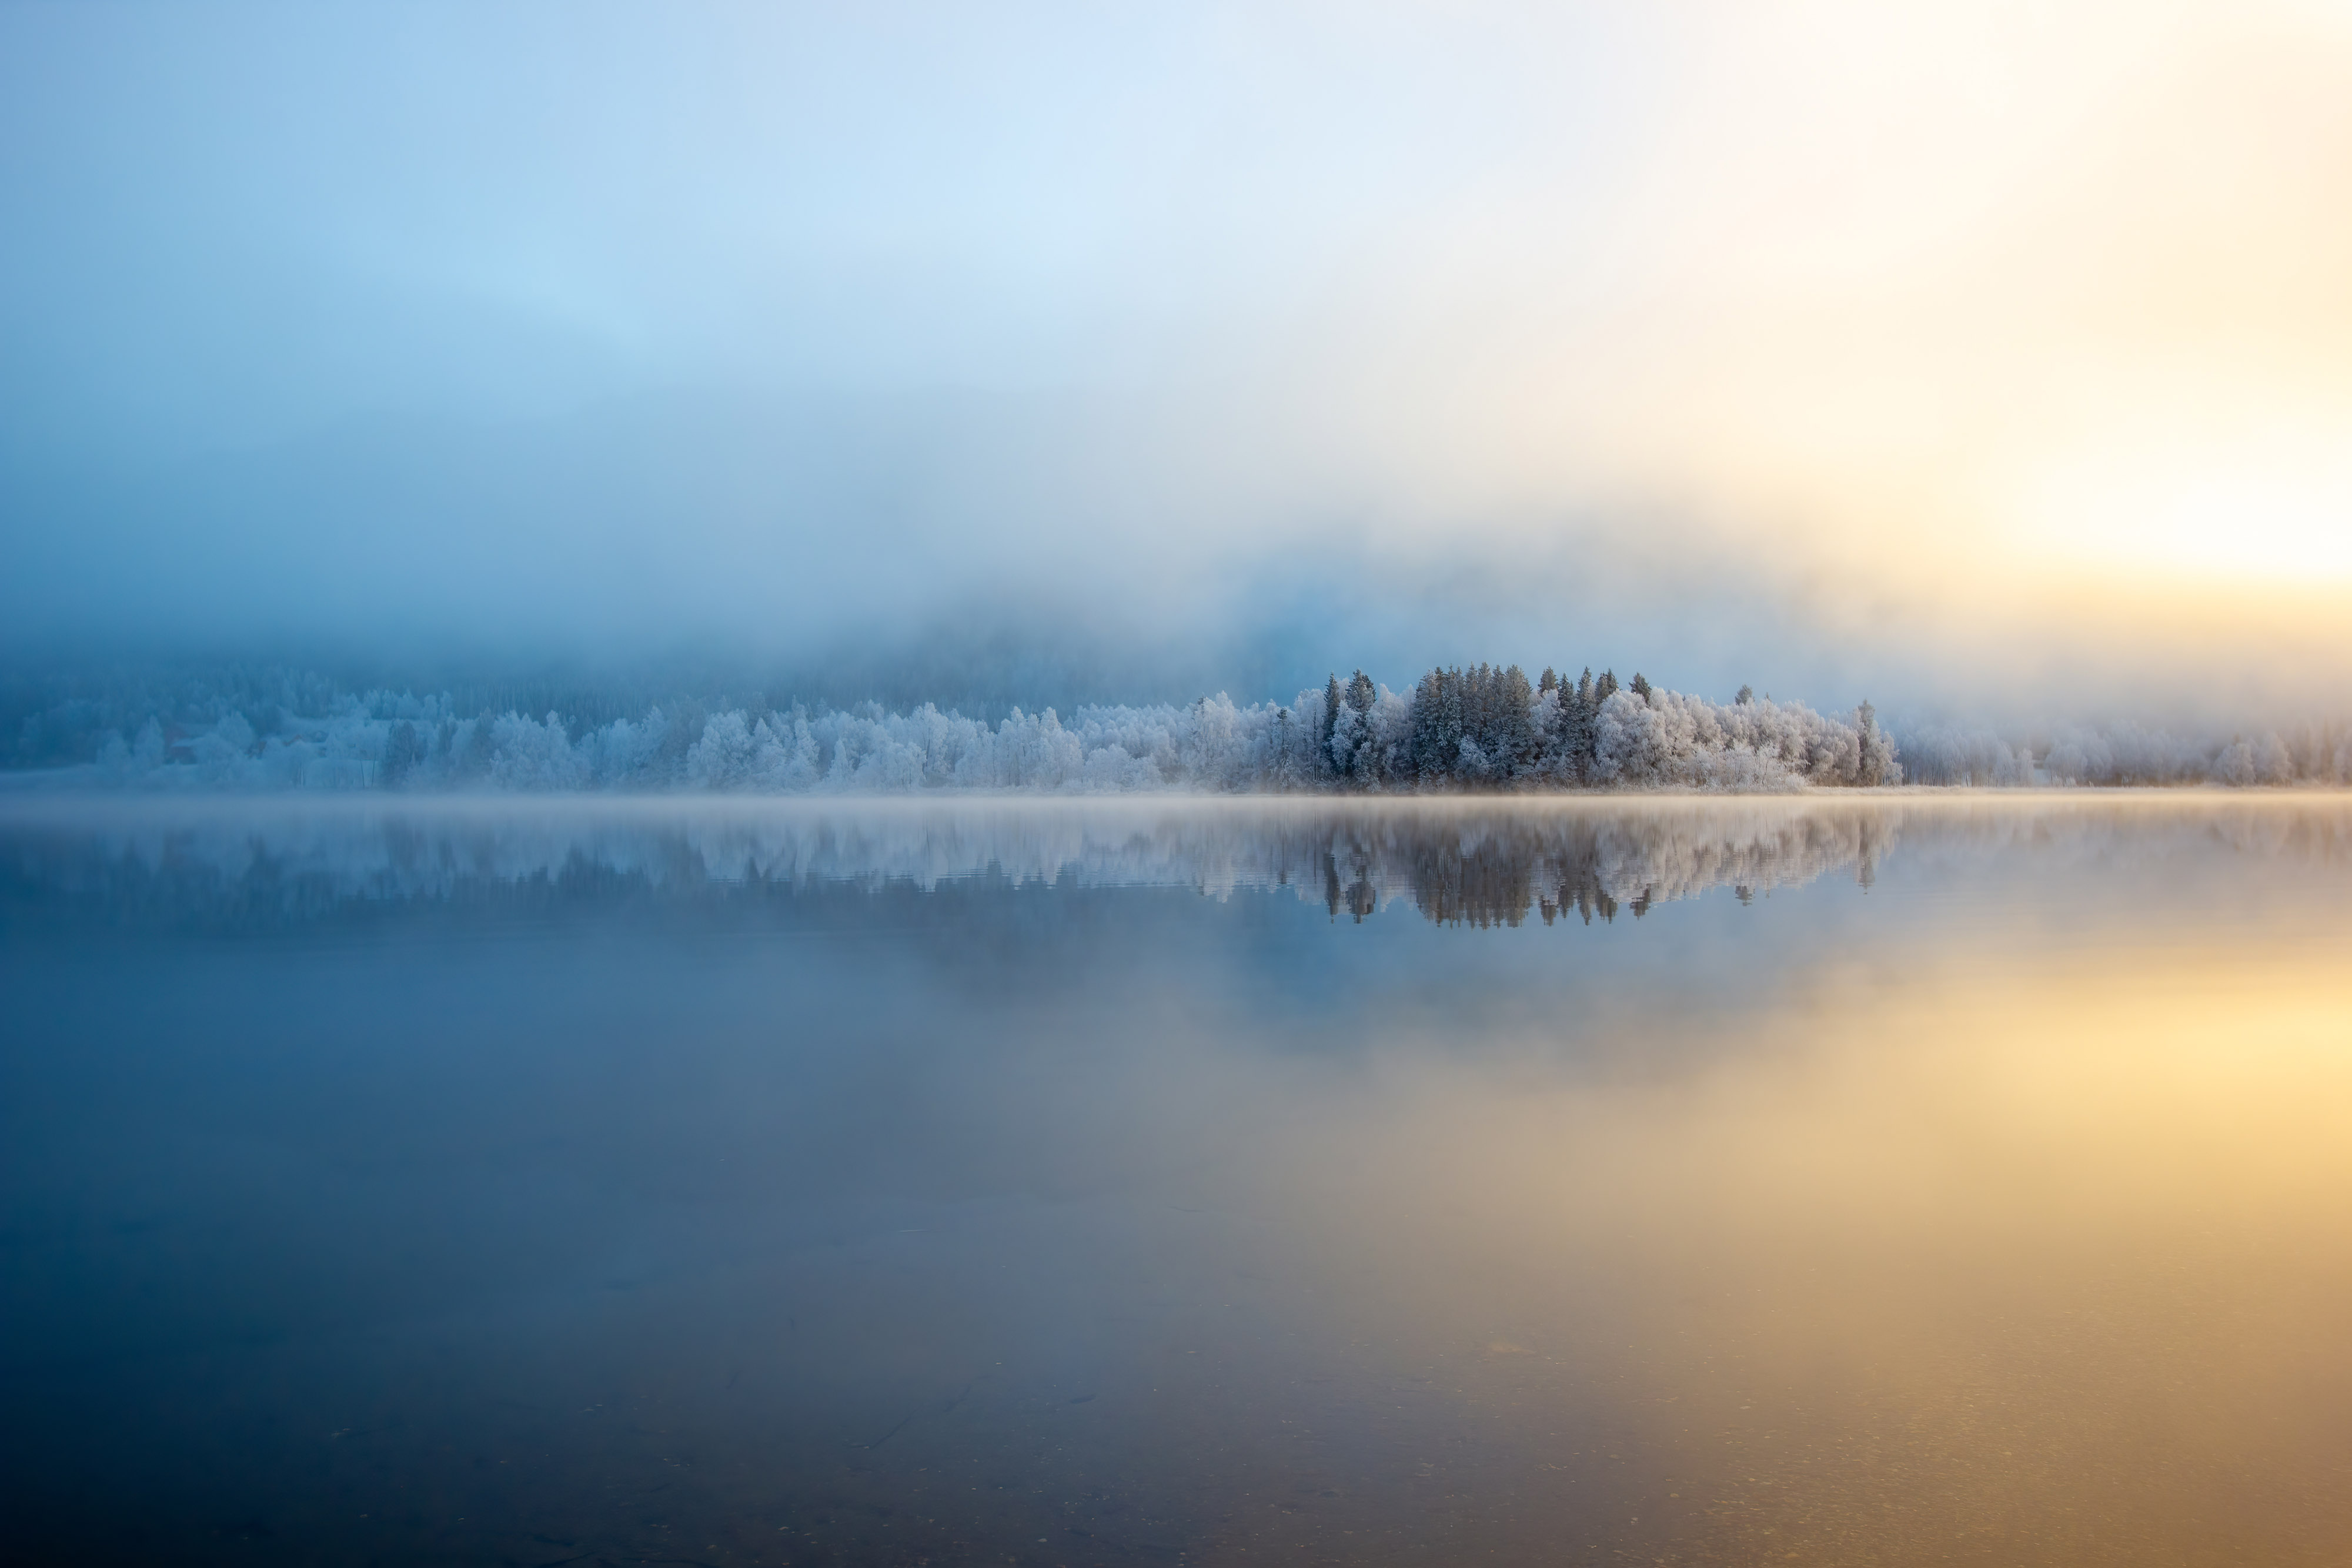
pixel 745 1183
pixel 1456 862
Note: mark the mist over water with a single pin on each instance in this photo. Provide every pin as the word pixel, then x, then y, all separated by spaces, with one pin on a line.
pixel 1844 1181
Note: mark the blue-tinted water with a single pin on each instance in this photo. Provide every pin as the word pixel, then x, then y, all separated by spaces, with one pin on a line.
pixel 1883 1181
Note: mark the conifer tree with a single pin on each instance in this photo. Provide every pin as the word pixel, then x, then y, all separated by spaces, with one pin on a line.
pixel 1364 760
pixel 1477 707
pixel 1514 744
pixel 402 751
pixel 1581 738
pixel 1437 726
pixel 1877 761
pixel 1454 713
pixel 1423 748
pixel 1330 722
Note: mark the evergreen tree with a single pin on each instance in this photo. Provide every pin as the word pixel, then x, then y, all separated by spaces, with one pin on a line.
pixel 1363 762
pixel 1423 748
pixel 1512 719
pixel 1640 687
pixel 1437 726
pixel 1877 763
pixel 1579 736
pixel 1747 695
pixel 1452 717
pixel 1477 707
pixel 403 748
pixel 1330 722
pixel 1552 758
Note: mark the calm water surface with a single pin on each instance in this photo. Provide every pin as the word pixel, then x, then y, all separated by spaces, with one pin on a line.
pixel 1918 1180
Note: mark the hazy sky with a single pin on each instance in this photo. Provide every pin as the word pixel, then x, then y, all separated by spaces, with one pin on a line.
pixel 1976 356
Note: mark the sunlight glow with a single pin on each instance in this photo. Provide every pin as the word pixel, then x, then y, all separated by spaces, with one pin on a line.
pixel 2277 509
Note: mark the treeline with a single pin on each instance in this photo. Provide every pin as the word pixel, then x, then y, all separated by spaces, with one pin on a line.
pixel 1489 726
pixel 2125 755
pixel 1478 728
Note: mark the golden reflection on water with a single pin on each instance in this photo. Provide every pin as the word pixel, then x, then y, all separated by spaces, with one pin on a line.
pixel 961 1186
pixel 1986 1266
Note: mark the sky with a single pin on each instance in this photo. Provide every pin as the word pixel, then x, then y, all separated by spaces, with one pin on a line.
pixel 1985 360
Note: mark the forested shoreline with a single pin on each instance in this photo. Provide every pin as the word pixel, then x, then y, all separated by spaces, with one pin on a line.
pixel 1478 728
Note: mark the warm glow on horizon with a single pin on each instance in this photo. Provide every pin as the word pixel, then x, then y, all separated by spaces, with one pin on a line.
pixel 2276 513
pixel 1962 293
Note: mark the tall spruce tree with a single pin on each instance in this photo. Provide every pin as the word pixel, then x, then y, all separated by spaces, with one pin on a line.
pixel 1584 736
pixel 1453 719
pixel 1423 748
pixel 1326 762
pixel 1516 746
pixel 1363 762
pixel 1477 707
pixel 1437 715
pixel 1876 754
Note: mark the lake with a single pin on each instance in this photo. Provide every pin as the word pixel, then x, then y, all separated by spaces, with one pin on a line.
pixel 1869 1179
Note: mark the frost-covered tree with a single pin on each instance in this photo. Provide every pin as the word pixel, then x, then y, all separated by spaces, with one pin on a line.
pixel 404 750
pixel 1349 746
pixel 1973 758
pixel 1437 727
pixel 1577 733
pixel 1511 740
pixel 1875 761
pixel 1333 701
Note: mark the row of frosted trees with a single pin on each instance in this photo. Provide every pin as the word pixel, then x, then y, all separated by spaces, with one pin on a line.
pixel 2127 755
pixel 1489 727
pixel 1477 729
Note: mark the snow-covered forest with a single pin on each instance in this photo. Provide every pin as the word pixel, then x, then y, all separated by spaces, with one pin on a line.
pixel 1456 729
pixel 2125 754
pixel 1479 728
